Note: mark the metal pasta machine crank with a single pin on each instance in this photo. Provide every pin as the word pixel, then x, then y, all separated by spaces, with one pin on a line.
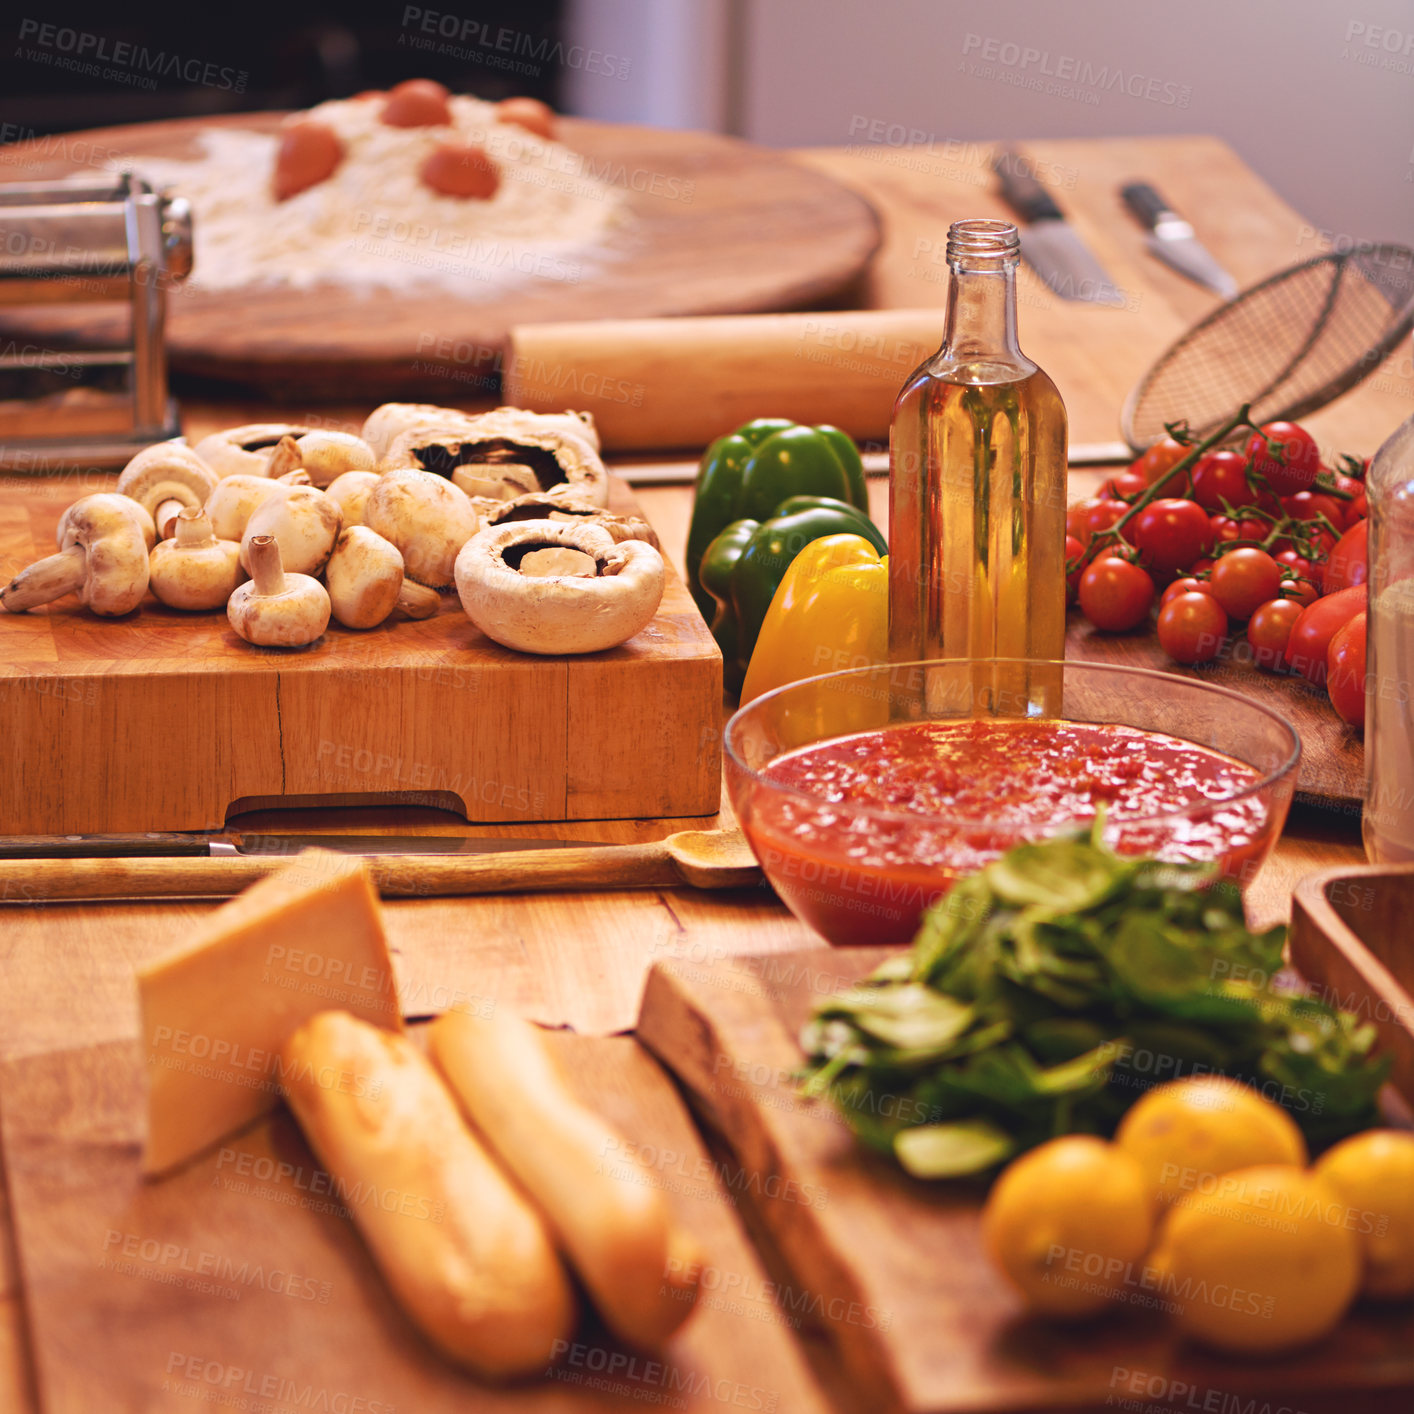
pixel 70 393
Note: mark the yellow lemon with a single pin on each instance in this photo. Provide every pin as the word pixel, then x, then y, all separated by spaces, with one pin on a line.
pixel 1262 1264
pixel 1066 1222
pixel 1373 1173
pixel 1188 1133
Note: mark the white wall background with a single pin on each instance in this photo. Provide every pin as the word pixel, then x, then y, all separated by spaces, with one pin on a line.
pixel 1316 95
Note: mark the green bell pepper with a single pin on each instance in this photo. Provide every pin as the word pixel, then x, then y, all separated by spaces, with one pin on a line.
pixel 743 566
pixel 749 472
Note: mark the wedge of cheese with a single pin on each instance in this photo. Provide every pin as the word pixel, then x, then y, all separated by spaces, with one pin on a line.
pixel 216 1012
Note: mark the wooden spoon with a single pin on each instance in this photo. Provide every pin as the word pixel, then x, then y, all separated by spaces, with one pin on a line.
pixel 702 859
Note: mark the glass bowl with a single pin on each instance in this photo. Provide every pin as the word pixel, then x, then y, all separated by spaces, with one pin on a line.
pixel 864 873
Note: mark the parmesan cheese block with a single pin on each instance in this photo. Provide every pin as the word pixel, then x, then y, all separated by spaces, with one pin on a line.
pixel 216 1012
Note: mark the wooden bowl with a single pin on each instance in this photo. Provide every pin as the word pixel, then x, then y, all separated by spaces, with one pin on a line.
pixel 1352 935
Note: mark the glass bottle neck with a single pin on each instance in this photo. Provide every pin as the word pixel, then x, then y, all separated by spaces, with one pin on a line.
pixel 981 319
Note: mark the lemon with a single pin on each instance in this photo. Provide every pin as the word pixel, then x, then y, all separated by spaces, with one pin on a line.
pixel 1262 1264
pixel 1066 1222
pixel 1373 1173
pixel 1188 1133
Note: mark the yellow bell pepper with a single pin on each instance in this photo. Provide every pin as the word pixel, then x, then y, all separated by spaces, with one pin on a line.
pixel 830 612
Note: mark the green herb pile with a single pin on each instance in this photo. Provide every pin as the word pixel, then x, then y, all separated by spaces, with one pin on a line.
pixel 1045 994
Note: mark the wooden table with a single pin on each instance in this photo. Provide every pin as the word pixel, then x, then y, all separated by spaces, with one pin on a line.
pixel 580 960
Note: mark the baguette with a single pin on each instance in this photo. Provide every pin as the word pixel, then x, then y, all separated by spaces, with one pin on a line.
pixel 641 1271
pixel 465 1253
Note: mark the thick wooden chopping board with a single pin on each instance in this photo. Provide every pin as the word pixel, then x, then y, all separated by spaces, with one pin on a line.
pixel 166 720
pixel 921 1318
pixel 717 227
pixel 242 1274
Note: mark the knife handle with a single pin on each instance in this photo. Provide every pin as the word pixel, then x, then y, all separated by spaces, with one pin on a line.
pixel 1022 192
pixel 155 844
pixel 1145 202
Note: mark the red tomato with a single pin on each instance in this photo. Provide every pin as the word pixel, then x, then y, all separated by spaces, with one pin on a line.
pixel 1308 505
pixel 1192 628
pixel 1357 509
pixel 1155 463
pixel 1123 486
pixel 1312 633
pixel 1202 566
pixel 1115 595
pixel 1073 551
pixel 1077 519
pixel 1345 671
pixel 1269 631
pixel 1244 579
pixel 1105 514
pixel 1172 533
pixel 1348 563
pixel 1186 585
pixel 1286 455
pixel 1221 477
pixel 1225 528
pixel 1299 591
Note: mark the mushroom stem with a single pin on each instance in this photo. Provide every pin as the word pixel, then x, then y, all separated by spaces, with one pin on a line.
pixel 193 528
pixel 46 580
pixel 284 458
pixel 165 518
pixel 417 601
pixel 265 567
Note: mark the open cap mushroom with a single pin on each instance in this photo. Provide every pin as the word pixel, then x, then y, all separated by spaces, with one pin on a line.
pixel 543 586
pixel 305 522
pixel 572 511
pixel 103 558
pixel 427 518
pixel 195 570
pixel 275 609
pixel 164 478
pixel 366 583
pixel 391 420
pixel 350 492
pixel 245 450
pixel 230 505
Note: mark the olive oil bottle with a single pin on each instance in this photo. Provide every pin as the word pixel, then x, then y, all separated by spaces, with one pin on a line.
pixel 977 490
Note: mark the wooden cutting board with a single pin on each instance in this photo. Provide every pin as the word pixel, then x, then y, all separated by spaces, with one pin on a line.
pixel 243 1275
pixel 717 226
pixel 920 1316
pixel 1332 771
pixel 166 720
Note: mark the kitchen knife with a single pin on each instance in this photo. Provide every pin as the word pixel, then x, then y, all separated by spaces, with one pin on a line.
pixel 1172 240
pixel 166 845
pixel 1051 248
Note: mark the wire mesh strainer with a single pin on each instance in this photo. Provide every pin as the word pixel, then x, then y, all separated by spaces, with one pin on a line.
pixel 1286 346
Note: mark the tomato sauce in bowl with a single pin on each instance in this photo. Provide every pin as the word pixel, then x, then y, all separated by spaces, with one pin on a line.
pixel 860 832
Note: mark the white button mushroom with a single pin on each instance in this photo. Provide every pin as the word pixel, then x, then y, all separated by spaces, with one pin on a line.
pixel 350 492
pixel 245 450
pixel 149 530
pixel 609 593
pixel 326 455
pixel 366 583
pixel 103 556
pixel 305 522
pixel 427 518
pixel 230 505
pixel 164 478
pixel 391 420
pixel 275 609
pixel 195 570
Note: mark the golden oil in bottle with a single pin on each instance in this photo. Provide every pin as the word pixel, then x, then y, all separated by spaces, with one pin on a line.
pixel 977 491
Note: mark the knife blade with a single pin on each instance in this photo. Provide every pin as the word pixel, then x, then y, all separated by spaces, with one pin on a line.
pixel 1048 242
pixel 170 844
pixel 1171 239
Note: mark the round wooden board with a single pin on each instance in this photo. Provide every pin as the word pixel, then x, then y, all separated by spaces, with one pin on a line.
pixel 718 226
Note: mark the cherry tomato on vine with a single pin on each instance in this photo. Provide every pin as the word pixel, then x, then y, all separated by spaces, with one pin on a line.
pixel 1244 579
pixel 1299 591
pixel 1225 528
pixel 1192 628
pixel 1307 505
pixel 1172 533
pixel 1156 463
pixel 1286 455
pixel 1104 515
pixel 1345 671
pixel 1115 595
pixel 1123 486
pixel 1186 585
pixel 1077 519
pixel 1218 477
pixel 1348 563
pixel 1312 633
pixel 1269 631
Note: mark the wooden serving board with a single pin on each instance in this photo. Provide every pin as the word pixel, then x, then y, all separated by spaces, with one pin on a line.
pixel 919 1315
pixel 243 1273
pixel 1332 772
pixel 167 720
pixel 717 226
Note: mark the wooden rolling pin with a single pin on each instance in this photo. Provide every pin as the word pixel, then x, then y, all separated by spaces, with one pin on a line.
pixel 702 859
pixel 666 383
